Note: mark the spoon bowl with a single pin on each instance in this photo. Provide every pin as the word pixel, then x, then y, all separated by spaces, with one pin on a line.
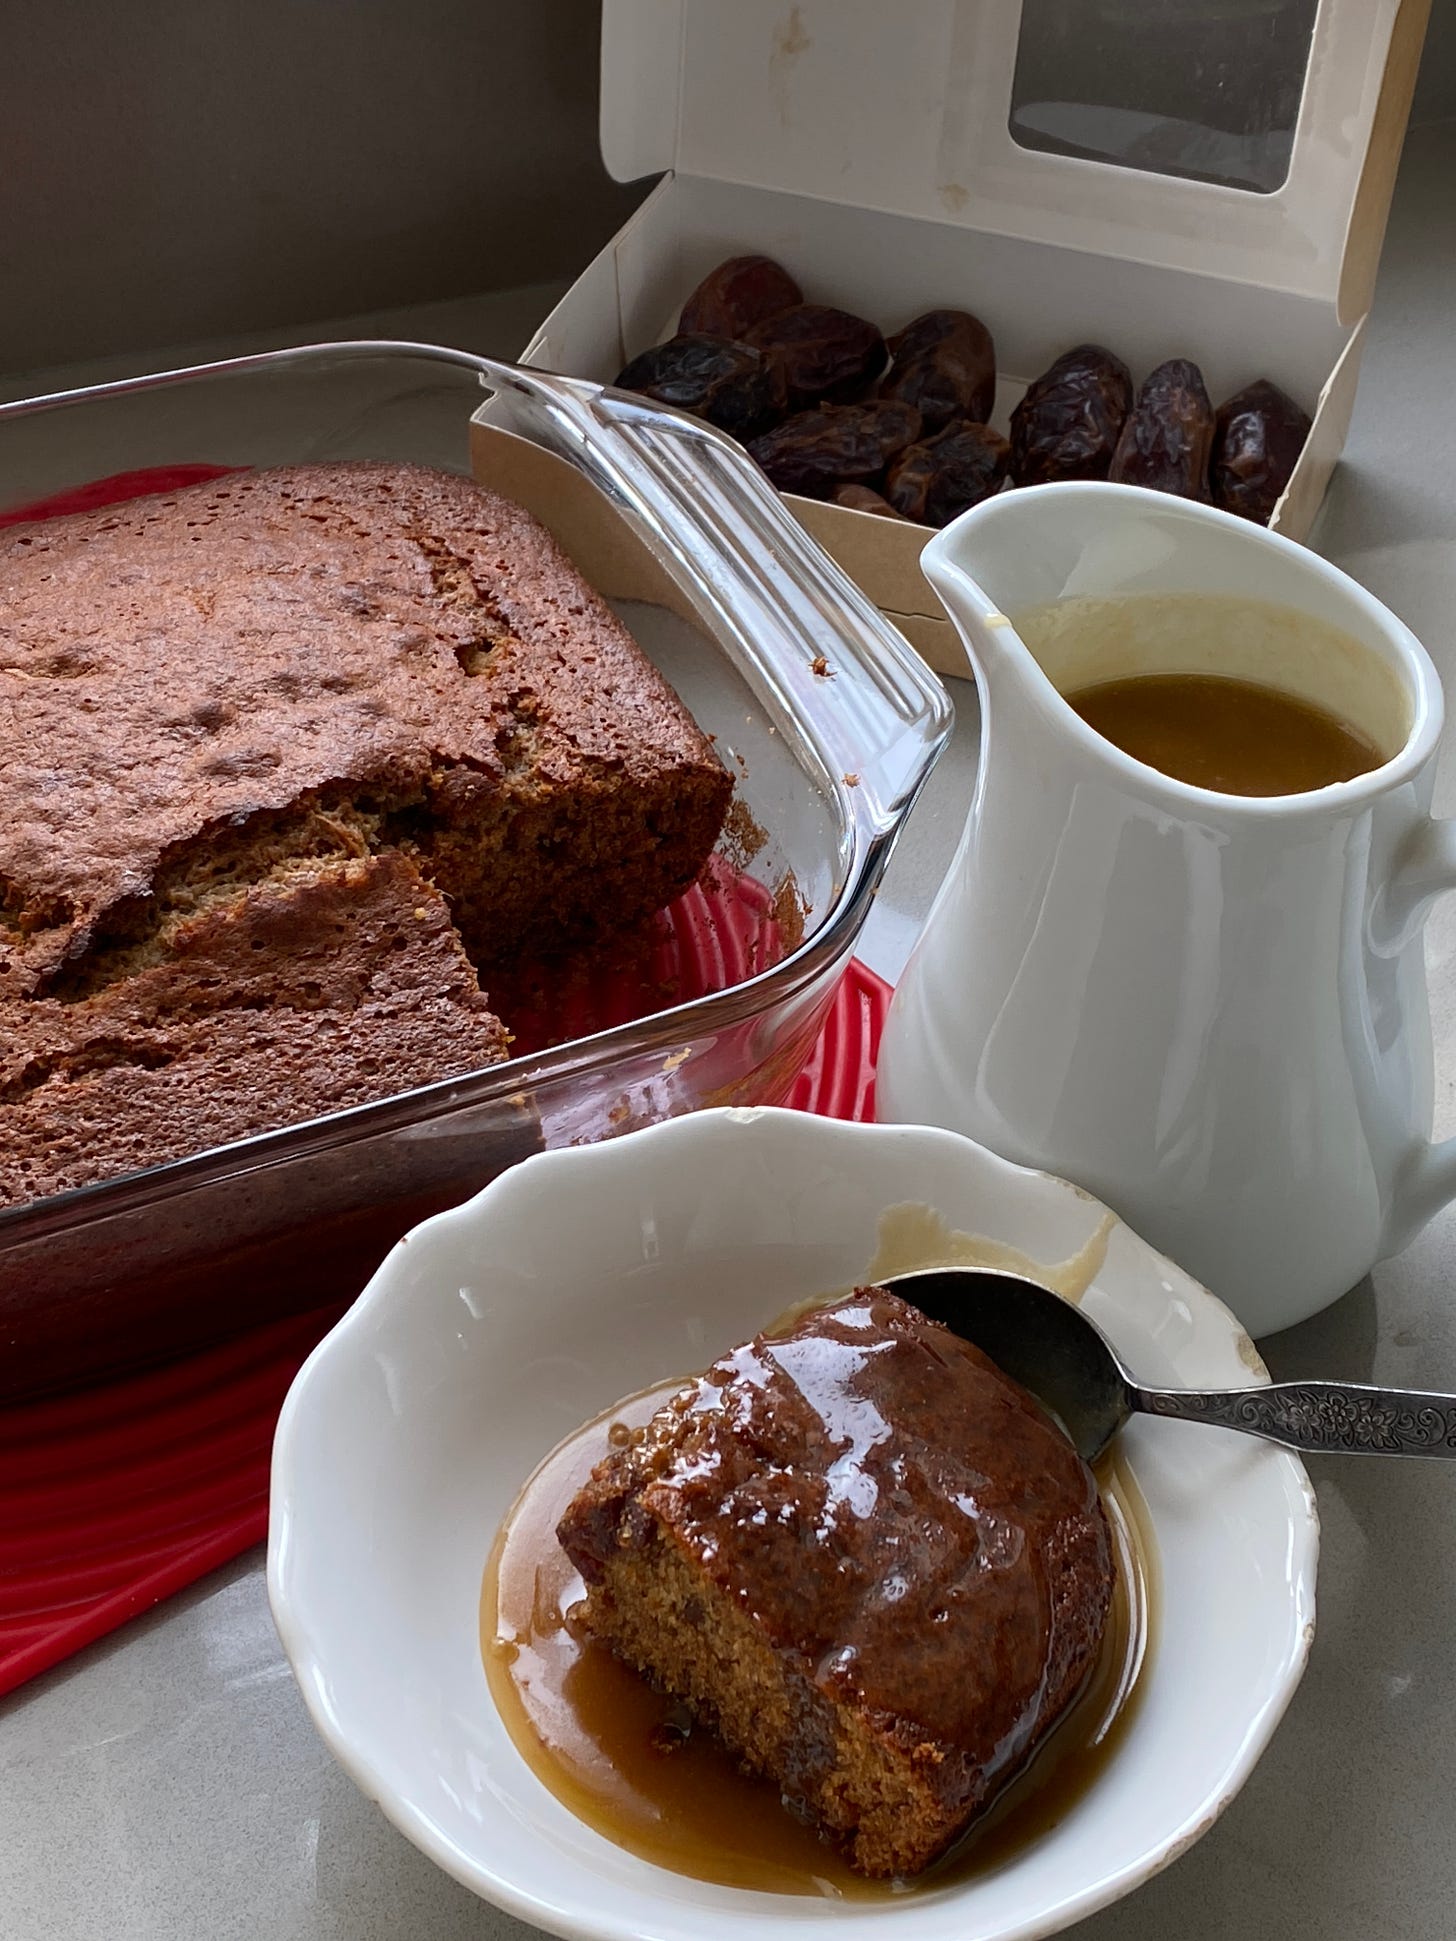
pixel 1037 1338
pixel 1048 1345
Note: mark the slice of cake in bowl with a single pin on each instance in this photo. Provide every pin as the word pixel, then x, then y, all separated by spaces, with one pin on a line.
pixel 867 1559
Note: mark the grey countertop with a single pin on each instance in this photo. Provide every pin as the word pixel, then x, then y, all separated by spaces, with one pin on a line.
pixel 167 1785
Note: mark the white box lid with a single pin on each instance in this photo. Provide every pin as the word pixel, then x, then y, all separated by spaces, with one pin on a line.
pixel 903 106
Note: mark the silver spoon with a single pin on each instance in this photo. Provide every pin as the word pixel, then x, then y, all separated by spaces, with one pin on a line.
pixel 1051 1348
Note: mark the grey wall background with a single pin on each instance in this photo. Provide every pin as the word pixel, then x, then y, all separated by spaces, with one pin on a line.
pixel 180 169
pixel 1436 86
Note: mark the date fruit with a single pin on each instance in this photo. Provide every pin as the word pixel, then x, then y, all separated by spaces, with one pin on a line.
pixel 1068 424
pixel 1257 438
pixel 737 295
pixel 838 444
pixel 945 365
pixel 1165 444
pixel 939 478
pixel 827 356
pixel 864 498
pixel 730 385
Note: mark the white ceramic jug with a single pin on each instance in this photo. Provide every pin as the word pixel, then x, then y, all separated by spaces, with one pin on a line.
pixel 1209 1010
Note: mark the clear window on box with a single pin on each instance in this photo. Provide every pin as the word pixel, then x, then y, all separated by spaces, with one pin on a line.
pixel 1205 89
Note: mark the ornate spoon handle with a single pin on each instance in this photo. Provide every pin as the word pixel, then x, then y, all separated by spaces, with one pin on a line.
pixel 1318 1417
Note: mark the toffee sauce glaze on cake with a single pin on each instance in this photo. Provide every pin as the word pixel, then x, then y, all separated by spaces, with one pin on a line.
pixel 628 1761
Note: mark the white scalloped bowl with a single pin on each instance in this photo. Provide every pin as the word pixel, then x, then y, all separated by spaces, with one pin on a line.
pixel 492 1331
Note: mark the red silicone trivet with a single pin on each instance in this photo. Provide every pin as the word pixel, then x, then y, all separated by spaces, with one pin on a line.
pixel 112 490
pixel 114 1498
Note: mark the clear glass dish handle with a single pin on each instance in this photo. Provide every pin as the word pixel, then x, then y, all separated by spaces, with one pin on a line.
pixel 837 676
pixel 795 623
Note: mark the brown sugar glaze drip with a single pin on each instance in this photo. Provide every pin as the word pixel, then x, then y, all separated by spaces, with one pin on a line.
pixel 908 1528
pixel 626 1761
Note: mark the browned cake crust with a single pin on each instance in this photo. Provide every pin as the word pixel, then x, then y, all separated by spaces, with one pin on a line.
pixel 316 658
pixel 246 690
pixel 867 1558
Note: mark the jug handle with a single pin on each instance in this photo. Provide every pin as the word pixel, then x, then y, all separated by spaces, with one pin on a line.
pixel 1423 871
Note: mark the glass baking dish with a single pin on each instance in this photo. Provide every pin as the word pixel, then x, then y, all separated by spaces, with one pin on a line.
pixel 826 718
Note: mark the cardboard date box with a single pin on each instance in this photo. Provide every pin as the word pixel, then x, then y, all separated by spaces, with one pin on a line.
pixel 1214 187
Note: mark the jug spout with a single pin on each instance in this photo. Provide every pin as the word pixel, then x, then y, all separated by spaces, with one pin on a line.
pixel 997 653
pixel 1043 545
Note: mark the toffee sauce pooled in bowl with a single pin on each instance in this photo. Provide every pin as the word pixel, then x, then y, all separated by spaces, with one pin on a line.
pixel 632 1764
